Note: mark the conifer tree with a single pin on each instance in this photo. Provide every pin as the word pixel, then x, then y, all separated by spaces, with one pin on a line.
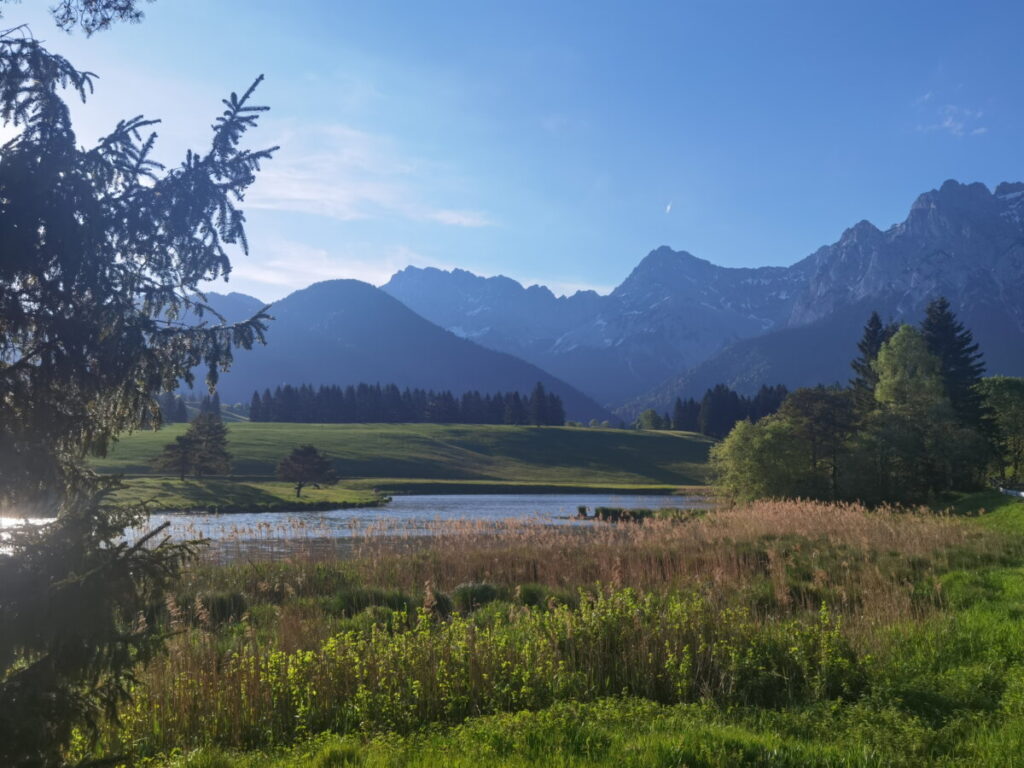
pixel 538 407
pixel 960 361
pixel 176 457
pixel 93 15
pixel 555 410
pixel 180 410
pixel 209 441
pixel 678 414
pixel 865 379
pixel 720 409
pixel 103 251
pixel 515 410
pixel 255 407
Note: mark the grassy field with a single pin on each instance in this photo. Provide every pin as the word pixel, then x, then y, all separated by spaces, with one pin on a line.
pixel 776 634
pixel 444 458
pixel 232 495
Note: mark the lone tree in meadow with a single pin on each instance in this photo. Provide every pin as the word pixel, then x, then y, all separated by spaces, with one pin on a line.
pixel 103 253
pixel 209 438
pixel 306 466
pixel 176 457
pixel 202 450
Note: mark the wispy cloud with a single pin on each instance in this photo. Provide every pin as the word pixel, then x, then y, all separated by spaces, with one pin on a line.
pixel 954 120
pixel 281 266
pixel 461 218
pixel 343 173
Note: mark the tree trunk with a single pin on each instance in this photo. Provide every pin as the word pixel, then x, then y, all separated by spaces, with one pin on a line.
pixel 298 490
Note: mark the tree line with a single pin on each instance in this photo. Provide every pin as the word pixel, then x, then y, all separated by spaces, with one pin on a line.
pixel 717 412
pixel 916 421
pixel 374 403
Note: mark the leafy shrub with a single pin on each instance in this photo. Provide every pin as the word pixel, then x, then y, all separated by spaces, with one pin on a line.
pixel 349 601
pixel 470 596
pixel 224 607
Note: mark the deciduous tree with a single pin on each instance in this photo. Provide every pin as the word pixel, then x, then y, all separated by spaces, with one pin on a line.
pixel 306 466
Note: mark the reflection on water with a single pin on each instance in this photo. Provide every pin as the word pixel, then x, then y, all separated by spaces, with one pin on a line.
pixel 279 532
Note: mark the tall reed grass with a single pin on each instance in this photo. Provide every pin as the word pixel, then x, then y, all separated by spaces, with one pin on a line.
pixel 772 604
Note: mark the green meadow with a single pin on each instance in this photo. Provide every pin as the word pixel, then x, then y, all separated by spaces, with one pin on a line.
pixel 421 458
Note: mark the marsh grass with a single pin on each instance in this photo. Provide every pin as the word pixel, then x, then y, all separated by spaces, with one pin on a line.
pixel 773 607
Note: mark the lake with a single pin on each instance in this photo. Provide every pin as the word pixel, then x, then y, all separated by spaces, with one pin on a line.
pixel 403 516
pixel 408 514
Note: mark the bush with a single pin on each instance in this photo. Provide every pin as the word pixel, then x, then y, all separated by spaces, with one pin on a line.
pixel 470 596
pixel 349 601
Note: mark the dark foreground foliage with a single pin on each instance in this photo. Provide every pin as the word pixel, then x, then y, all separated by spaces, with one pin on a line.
pixel 103 251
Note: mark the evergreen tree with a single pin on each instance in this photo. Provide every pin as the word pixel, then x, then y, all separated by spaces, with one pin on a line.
pixel 256 408
pixel 306 466
pixel 555 411
pixel 209 441
pixel 686 415
pixel 538 407
pixel 515 410
pixel 176 457
pixel 1004 399
pixel 863 383
pixel 960 361
pixel 925 449
pixel 93 15
pixel 678 414
pixel 767 401
pixel 180 410
pixel 101 249
pixel 720 409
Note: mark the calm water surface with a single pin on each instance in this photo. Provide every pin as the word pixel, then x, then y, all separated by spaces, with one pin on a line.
pixel 403 515
pixel 409 514
pixel 333 533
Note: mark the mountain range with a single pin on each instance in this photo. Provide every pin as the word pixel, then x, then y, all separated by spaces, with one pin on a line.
pixel 346 332
pixel 675 326
pixel 679 324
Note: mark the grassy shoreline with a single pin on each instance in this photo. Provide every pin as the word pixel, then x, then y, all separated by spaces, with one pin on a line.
pixel 378 460
pixel 232 495
pixel 781 633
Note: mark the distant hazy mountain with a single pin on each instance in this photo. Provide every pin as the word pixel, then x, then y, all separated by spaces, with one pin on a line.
pixel 672 312
pixel 234 306
pixel 345 332
pixel 689 324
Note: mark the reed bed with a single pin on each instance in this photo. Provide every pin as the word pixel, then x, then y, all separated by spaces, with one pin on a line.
pixel 392 629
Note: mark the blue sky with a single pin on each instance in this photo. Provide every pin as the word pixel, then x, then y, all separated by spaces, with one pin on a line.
pixel 560 142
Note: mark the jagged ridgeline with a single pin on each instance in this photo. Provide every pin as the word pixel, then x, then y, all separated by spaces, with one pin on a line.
pixel 373 403
pixel 680 324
